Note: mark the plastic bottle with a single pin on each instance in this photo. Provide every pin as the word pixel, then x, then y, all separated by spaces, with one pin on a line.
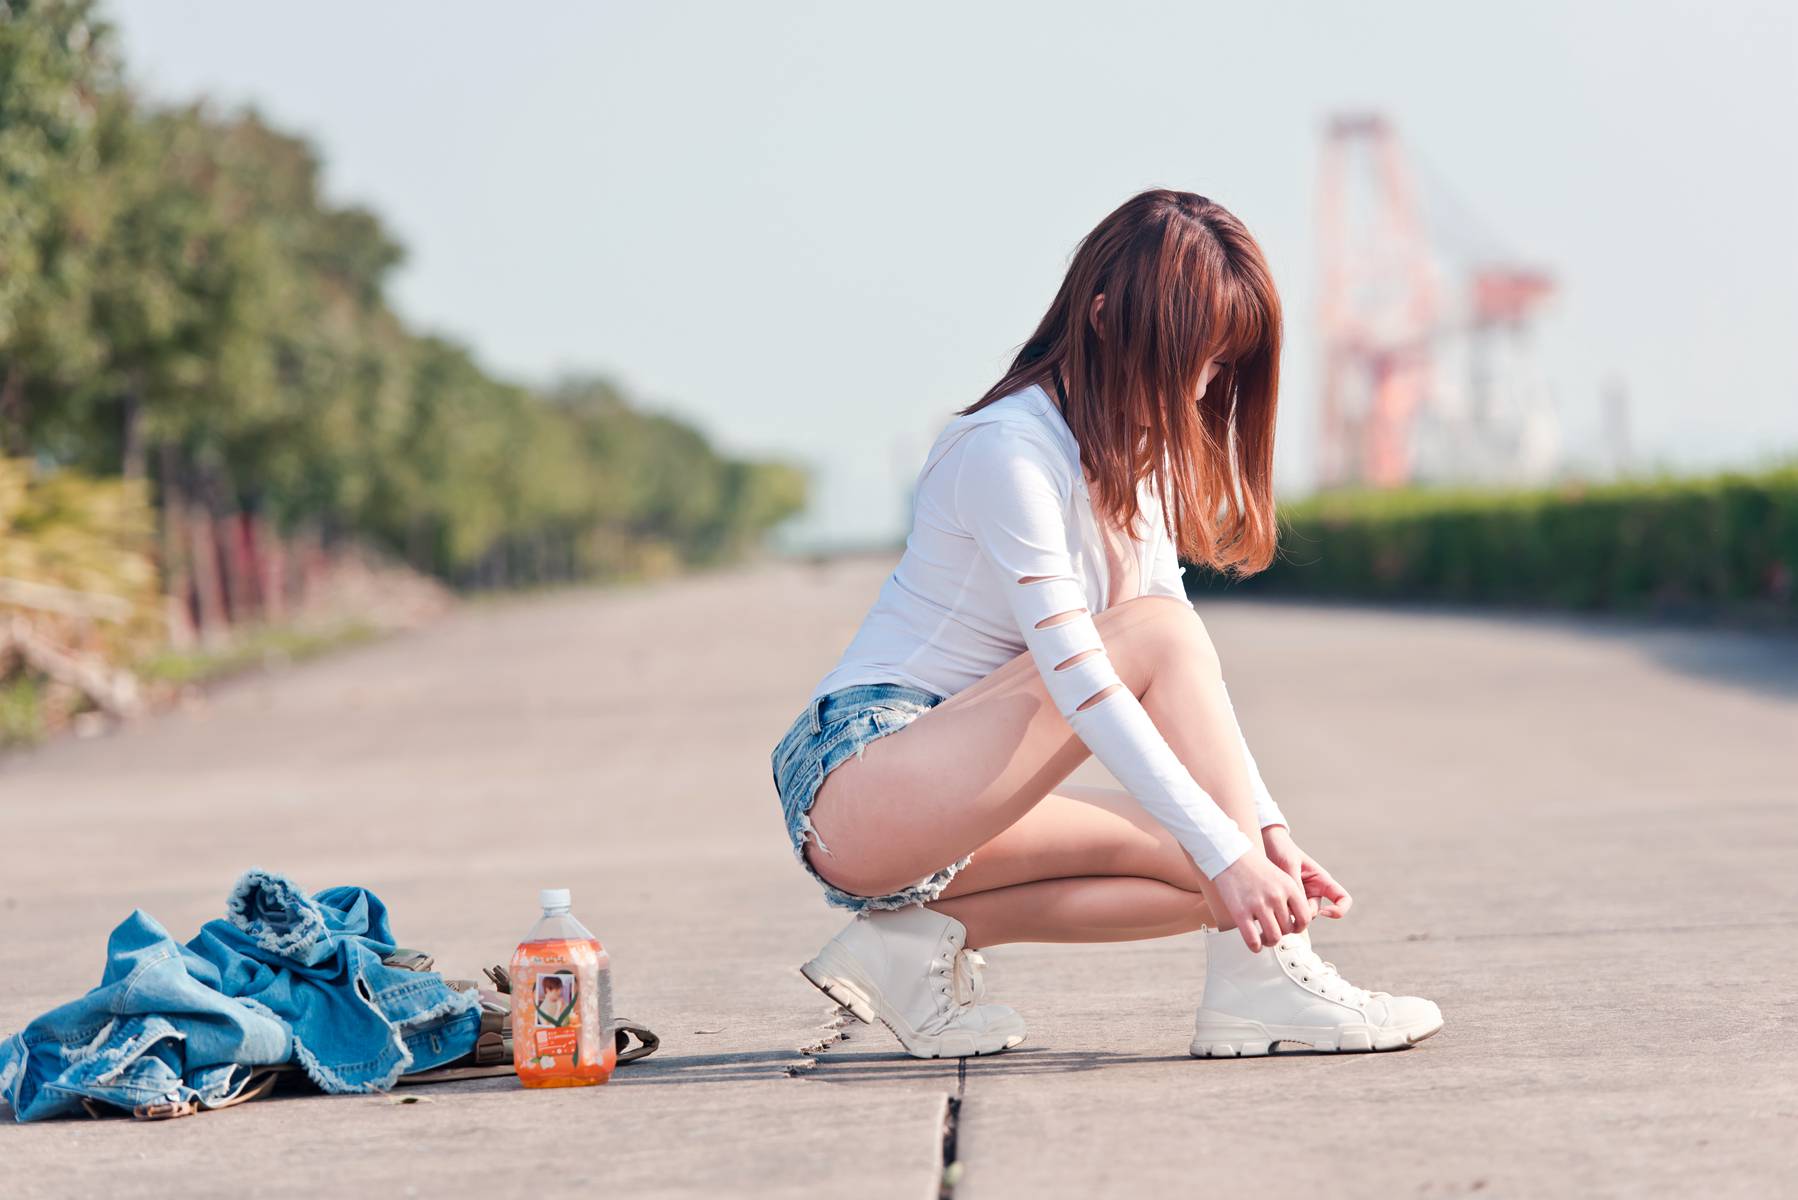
pixel 561 1001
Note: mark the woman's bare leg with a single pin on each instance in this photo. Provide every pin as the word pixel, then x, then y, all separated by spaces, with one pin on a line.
pixel 1090 908
pixel 1087 864
pixel 973 767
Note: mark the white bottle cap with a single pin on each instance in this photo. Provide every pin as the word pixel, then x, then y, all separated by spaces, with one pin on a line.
pixel 553 898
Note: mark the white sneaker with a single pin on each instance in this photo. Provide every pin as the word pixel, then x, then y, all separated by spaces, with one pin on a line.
pixel 1288 994
pixel 910 968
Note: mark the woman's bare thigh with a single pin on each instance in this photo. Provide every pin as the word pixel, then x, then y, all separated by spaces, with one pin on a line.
pixel 966 770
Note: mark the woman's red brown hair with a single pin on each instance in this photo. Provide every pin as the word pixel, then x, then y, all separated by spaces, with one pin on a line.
pixel 1183 283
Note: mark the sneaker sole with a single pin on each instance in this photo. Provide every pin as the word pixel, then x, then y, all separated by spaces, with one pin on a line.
pixel 852 998
pixel 1227 1037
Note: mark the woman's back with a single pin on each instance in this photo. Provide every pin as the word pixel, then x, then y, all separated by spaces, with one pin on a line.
pixel 942 619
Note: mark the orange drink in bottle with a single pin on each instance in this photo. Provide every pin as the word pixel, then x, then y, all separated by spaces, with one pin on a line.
pixel 561 1001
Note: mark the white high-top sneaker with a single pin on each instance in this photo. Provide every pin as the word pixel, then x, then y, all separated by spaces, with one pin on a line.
pixel 910 969
pixel 1286 993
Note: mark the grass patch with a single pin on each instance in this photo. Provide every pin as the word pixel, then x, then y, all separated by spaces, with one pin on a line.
pixel 272 647
pixel 21 713
pixel 27 719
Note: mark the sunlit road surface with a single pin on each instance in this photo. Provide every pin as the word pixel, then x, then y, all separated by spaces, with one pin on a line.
pixel 1576 836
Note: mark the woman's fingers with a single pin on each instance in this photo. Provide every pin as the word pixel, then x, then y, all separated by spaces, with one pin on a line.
pixel 1298 904
pixel 1283 918
pixel 1323 883
pixel 1271 929
pixel 1277 904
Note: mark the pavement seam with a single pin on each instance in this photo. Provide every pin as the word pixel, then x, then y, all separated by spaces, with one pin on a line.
pixel 948 1159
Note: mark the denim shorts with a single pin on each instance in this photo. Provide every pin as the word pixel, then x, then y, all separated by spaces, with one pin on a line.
pixel 832 728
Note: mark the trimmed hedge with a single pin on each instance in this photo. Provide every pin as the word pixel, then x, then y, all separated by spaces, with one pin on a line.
pixel 1723 544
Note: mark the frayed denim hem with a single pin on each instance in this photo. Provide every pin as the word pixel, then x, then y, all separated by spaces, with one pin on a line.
pixel 922 892
pixel 12 1068
pixel 832 730
pixel 275 913
pixel 76 1055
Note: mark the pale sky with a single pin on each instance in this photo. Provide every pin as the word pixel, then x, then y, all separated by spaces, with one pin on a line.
pixel 815 229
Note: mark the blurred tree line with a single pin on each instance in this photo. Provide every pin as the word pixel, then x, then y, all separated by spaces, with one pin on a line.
pixel 180 305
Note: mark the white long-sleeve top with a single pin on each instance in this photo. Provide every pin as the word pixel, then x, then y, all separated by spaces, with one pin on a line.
pixel 1001 499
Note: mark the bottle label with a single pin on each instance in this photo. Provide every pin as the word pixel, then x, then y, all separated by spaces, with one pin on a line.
pixel 558 1015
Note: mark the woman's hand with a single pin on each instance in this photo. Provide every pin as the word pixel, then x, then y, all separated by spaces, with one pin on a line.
pixel 1324 895
pixel 1263 900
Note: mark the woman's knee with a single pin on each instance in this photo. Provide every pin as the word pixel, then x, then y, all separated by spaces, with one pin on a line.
pixel 1160 630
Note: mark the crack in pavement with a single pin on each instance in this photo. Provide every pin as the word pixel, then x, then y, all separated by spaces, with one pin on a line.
pixel 835 1031
pixel 949 1155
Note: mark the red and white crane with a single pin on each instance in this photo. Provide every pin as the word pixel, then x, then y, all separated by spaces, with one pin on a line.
pixel 1396 309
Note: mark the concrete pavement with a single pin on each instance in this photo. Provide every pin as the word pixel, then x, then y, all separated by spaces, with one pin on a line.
pixel 1576 836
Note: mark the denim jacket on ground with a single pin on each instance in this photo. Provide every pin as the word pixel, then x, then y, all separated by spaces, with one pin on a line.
pixel 281 976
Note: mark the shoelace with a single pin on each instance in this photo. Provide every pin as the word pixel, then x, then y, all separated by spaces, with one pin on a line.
pixel 965 980
pixel 1325 973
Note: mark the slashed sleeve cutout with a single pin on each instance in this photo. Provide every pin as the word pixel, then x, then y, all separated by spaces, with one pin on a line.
pixel 1165 579
pixel 1011 491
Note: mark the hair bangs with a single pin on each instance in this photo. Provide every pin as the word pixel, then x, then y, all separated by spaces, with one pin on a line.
pixel 1236 318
